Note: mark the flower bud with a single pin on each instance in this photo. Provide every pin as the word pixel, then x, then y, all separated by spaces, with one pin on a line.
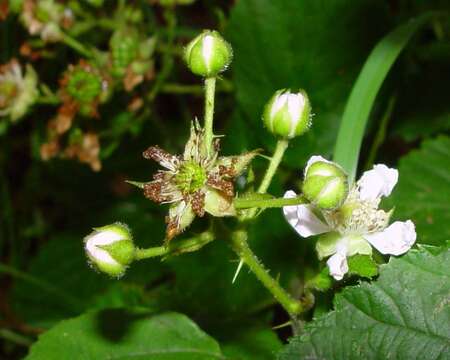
pixel 325 185
pixel 110 248
pixel 208 54
pixel 288 114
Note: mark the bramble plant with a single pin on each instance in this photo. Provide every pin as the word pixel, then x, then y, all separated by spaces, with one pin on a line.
pixel 200 181
pixel 188 180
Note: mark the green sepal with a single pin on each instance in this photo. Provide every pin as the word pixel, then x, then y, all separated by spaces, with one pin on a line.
pixel 362 265
pixel 122 251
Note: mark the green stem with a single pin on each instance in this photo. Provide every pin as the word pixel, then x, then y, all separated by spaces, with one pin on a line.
pixel 240 246
pixel 15 338
pixel 176 247
pixel 150 252
pixel 281 147
pixel 171 88
pixel 381 133
pixel 67 299
pixel 245 203
pixel 210 87
pixel 75 44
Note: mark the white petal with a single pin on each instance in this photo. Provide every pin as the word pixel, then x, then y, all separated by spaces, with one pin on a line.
pixel 396 239
pixel 377 182
pixel 303 219
pixel 338 265
pixel 279 102
pixel 102 238
pixel 207 49
pixel 315 158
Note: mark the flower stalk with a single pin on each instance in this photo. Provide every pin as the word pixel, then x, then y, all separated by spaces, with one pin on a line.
pixel 246 203
pixel 210 88
pixel 280 148
pixel 240 245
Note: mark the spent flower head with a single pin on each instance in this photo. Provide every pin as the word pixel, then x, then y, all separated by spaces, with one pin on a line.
pixel 17 91
pixel 46 18
pixel 195 182
pixel 357 225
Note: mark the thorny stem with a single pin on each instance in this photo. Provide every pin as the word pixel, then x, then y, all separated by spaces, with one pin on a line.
pixel 281 147
pixel 245 203
pixel 210 86
pixel 240 246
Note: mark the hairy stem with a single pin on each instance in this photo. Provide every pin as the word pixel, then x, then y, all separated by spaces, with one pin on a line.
pixel 281 147
pixel 240 246
pixel 176 247
pixel 245 203
pixel 210 87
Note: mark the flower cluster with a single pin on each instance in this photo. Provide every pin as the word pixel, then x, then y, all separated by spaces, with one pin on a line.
pixel 355 226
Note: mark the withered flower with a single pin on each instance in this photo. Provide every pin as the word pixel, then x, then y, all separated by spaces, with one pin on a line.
pixel 17 91
pixel 195 182
pixel 85 147
pixel 45 18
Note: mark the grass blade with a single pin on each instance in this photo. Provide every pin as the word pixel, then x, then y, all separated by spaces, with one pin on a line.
pixel 365 90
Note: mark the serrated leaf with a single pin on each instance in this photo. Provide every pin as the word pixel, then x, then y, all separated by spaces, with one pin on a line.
pixel 423 192
pixel 362 265
pixel 405 314
pixel 126 335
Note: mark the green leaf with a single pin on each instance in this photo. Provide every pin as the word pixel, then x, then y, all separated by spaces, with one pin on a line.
pixel 251 344
pixel 362 265
pixel 126 335
pixel 423 193
pixel 277 45
pixel 365 89
pixel 405 314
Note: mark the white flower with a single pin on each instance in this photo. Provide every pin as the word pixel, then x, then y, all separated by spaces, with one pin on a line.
pixel 356 224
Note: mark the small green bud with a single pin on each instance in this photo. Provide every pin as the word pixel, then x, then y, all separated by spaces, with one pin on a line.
pixel 84 85
pixel 110 248
pixel 288 114
pixel 325 185
pixel 208 54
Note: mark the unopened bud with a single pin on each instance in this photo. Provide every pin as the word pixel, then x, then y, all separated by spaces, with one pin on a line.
pixel 110 248
pixel 325 185
pixel 208 54
pixel 288 114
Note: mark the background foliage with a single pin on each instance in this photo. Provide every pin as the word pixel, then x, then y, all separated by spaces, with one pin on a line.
pixel 186 305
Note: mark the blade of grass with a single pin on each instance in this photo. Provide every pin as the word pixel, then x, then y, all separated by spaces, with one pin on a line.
pixel 365 89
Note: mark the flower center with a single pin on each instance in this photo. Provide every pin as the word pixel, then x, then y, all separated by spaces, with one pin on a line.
pixel 358 217
pixel 8 90
pixel 190 178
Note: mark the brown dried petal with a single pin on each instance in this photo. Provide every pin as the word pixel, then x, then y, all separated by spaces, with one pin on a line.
pixel 221 184
pixel 198 203
pixel 162 157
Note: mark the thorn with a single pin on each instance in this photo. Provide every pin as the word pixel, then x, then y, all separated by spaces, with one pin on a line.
pixel 138 184
pixel 282 325
pixel 237 271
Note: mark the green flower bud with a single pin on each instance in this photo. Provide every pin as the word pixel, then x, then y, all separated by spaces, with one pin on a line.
pixel 325 185
pixel 208 54
pixel 124 46
pixel 110 248
pixel 288 114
